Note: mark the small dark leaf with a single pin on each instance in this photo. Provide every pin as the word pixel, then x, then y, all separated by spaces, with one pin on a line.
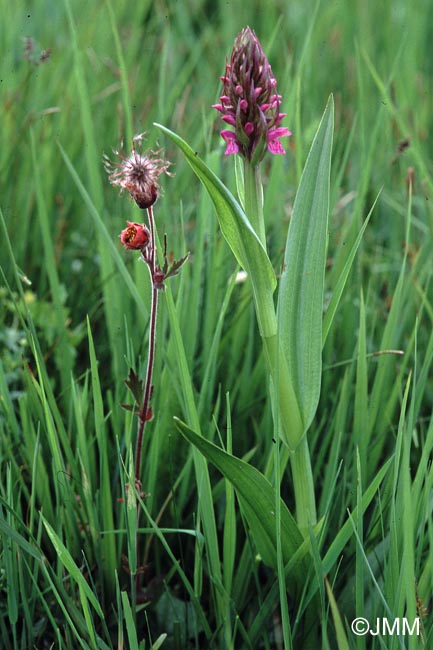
pixel 130 407
pixel 135 385
pixel 175 266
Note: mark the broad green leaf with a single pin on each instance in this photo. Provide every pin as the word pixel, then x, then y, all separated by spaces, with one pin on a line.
pixel 236 229
pixel 257 500
pixel 300 302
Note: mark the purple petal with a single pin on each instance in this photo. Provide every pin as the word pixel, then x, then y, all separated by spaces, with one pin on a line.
pixel 274 135
pixel 278 133
pixel 232 143
pixel 231 148
pixel 275 147
pixel 229 119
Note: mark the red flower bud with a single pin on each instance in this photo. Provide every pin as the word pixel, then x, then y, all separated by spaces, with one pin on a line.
pixel 135 237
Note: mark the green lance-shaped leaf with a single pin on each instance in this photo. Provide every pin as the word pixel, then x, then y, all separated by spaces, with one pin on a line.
pixel 300 301
pixel 257 500
pixel 239 234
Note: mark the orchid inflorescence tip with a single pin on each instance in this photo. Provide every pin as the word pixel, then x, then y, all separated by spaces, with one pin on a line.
pixel 250 102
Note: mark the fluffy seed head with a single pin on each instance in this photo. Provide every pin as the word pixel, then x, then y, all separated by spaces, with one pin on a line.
pixel 138 174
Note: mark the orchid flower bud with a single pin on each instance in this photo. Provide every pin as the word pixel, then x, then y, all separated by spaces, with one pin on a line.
pixel 250 102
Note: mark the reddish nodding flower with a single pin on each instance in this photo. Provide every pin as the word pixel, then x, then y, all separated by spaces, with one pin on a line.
pixel 136 236
pixel 138 174
pixel 250 102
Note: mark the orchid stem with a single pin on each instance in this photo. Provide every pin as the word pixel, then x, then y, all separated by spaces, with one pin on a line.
pixel 287 414
pixel 254 199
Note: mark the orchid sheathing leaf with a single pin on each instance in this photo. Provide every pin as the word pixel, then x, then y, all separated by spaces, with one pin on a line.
pixel 256 497
pixel 300 300
pixel 237 230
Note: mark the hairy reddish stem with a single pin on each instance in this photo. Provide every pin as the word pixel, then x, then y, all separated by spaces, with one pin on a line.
pixel 143 415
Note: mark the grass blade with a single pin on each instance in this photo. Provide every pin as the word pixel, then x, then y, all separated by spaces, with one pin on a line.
pixel 68 562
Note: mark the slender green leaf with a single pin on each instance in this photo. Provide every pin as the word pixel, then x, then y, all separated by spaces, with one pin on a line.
pixel 111 288
pixel 229 532
pixel 159 641
pixel 360 414
pixel 342 643
pixel 346 530
pixel 106 497
pixel 68 562
pixel 300 301
pixel 331 558
pixel 129 621
pixel 63 349
pixel 398 116
pixel 207 513
pixel 9 532
pixel 67 605
pixel 342 279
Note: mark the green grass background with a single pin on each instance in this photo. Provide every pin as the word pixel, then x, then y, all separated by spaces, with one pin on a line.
pixel 74 315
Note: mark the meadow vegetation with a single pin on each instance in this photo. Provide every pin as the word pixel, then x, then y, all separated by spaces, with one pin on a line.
pixel 79 79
